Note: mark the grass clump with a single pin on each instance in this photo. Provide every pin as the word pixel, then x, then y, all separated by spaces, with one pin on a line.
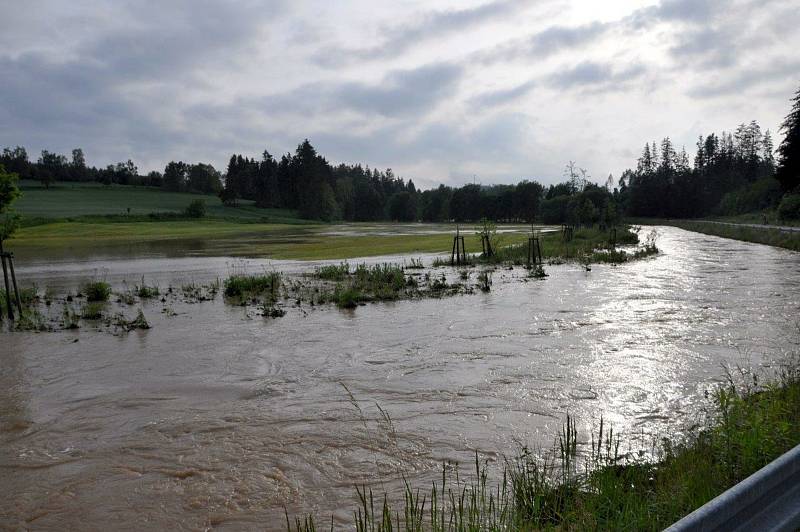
pixel 146 292
pixel 92 310
pixel 97 291
pixel 245 286
pixel 347 296
pixel 69 318
pixel 415 264
pixel 30 319
pixel 333 272
pixel 120 322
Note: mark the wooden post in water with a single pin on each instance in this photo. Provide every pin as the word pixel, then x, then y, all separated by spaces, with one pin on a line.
pixel 486 245
pixel 459 254
pixel 5 280
pixel 534 250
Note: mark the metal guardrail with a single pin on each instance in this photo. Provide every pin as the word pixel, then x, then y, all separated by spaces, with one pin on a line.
pixel 769 499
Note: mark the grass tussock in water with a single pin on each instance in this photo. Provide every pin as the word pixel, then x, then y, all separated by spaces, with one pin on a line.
pixel 598 487
pixel 377 282
pixel 97 291
pixel 245 286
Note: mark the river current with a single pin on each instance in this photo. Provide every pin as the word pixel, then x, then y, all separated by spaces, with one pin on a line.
pixel 216 417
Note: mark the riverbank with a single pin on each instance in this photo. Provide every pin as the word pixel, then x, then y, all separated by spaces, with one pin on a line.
pixel 745 233
pixel 594 485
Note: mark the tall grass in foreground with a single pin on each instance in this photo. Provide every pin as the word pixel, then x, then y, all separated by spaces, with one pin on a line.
pixel 749 425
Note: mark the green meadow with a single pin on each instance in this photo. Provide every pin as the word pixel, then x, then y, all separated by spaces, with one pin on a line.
pixel 64 200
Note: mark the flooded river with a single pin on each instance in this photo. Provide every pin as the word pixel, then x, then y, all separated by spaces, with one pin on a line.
pixel 217 417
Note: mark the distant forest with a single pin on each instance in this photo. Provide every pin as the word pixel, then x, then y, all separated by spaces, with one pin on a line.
pixel 731 173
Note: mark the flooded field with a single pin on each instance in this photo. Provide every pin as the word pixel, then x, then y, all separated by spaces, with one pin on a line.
pixel 219 417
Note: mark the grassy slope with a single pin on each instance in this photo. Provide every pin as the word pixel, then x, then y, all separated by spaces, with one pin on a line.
pixel 71 200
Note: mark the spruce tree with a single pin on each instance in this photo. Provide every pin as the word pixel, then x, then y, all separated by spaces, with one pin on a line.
pixel 788 172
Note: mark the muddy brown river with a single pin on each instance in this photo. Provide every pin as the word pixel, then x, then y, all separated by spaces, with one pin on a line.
pixel 216 417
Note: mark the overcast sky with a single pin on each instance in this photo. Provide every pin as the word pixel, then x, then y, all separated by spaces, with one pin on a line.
pixel 439 91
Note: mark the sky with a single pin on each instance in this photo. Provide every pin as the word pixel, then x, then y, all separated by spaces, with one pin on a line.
pixel 440 91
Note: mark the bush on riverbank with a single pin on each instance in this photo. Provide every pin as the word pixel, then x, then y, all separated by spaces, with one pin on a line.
pixel 600 488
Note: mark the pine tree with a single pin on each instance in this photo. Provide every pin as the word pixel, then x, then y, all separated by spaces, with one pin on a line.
pixel 788 172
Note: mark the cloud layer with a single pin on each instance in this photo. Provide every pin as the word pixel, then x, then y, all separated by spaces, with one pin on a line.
pixel 439 91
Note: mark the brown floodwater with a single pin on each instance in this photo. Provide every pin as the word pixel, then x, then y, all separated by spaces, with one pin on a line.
pixel 218 417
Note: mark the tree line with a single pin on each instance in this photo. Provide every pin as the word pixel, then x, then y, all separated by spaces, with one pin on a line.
pixel 732 172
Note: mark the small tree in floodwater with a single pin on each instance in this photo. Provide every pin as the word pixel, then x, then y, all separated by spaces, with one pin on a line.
pixel 487 232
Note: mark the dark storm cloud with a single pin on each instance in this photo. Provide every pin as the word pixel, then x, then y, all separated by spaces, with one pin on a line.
pixel 433 25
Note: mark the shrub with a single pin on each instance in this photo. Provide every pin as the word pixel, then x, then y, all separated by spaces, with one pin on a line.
pixel 97 291
pixel 196 209
pixel 789 208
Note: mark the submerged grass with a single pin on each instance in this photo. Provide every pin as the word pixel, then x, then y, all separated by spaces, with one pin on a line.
pixel 586 242
pixel 377 282
pixel 748 425
pixel 245 286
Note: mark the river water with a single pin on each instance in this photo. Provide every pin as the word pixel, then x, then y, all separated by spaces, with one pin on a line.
pixel 217 417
